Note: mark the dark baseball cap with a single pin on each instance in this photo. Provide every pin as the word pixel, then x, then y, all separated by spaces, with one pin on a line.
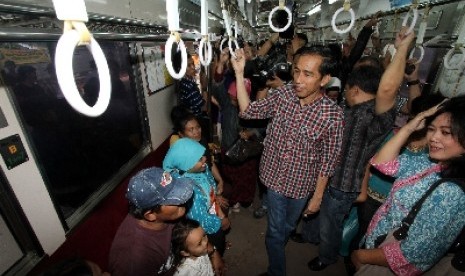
pixel 154 186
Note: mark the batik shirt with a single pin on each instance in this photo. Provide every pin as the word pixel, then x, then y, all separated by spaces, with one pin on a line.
pixel 364 131
pixel 437 224
pixel 302 142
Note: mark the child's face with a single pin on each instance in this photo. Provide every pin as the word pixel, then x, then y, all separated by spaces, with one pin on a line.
pixel 199 166
pixel 197 242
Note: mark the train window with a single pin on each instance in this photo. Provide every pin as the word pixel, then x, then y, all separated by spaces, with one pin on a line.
pixel 78 155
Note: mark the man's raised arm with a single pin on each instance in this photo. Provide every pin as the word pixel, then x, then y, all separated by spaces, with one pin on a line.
pixel 392 77
pixel 238 64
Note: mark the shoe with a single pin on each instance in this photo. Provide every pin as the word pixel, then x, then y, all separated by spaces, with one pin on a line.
pixel 316 264
pixel 296 237
pixel 236 208
pixel 260 212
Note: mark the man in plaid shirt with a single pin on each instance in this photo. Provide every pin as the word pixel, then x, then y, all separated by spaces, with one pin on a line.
pixel 302 144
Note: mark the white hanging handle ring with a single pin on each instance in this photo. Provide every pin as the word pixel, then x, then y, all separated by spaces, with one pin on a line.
pixel 422 53
pixel 231 51
pixel 289 19
pixel 222 43
pixel 414 20
pixel 169 63
pixel 352 21
pixel 448 58
pixel 205 42
pixel 65 75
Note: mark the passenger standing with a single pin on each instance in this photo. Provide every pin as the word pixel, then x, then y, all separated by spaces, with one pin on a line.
pixel 189 92
pixel 368 116
pixel 190 96
pixel 301 147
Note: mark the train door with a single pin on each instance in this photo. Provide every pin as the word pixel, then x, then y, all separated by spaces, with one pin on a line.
pixel 19 249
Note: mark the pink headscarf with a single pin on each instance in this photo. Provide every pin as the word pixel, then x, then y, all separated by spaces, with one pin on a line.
pixel 232 90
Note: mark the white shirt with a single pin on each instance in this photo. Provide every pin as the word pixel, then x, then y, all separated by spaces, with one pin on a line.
pixel 201 266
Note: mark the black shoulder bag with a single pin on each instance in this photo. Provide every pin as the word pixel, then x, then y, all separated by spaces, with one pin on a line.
pixel 458 247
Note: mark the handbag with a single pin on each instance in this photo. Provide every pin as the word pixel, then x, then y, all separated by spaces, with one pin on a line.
pixel 349 231
pixel 241 150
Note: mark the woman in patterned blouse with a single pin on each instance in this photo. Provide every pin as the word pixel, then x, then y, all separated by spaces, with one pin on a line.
pixel 442 215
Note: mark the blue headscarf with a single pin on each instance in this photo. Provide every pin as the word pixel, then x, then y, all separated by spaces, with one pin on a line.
pixel 183 155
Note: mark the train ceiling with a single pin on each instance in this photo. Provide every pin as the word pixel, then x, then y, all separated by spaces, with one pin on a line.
pixel 148 16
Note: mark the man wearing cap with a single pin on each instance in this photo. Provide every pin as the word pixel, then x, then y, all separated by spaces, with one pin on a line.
pixel 142 243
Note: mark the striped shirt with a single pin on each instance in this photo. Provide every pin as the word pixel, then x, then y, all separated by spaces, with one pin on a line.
pixel 302 142
pixel 190 96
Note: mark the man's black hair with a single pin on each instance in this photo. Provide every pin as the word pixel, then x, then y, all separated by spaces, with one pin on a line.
pixel 329 64
pixel 369 60
pixel 366 77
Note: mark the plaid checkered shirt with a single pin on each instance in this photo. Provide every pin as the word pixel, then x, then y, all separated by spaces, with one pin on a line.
pixel 302 142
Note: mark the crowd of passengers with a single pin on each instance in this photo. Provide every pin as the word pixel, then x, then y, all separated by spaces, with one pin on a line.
pixel 331 143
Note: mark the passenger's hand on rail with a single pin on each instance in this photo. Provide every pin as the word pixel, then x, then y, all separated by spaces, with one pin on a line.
pixel 373 20
pixel 274 38
pixel 238 63
pixel 403 39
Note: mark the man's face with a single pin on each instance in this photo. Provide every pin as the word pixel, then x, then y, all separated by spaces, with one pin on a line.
pixel 171 212
pixel 190 71
pixel 307 78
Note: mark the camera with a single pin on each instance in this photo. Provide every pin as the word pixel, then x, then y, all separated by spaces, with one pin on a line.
pixel 282 70
pixel 275 63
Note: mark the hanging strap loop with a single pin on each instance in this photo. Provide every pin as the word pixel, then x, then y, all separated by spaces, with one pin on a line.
pixel 281 6
pixel 345 7
pixel 172 15
pixel 414 11
pixel 76 33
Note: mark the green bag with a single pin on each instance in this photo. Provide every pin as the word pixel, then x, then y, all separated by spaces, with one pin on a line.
pixel 350 229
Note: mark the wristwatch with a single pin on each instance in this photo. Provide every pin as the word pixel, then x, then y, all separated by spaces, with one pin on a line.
pixel 414 82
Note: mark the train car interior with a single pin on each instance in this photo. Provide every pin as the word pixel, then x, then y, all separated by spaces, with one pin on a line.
pixel 77 122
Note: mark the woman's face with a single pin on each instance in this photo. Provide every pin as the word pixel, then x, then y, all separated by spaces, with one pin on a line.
pixel 442 145
pixel 192 130
pixel 196 243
